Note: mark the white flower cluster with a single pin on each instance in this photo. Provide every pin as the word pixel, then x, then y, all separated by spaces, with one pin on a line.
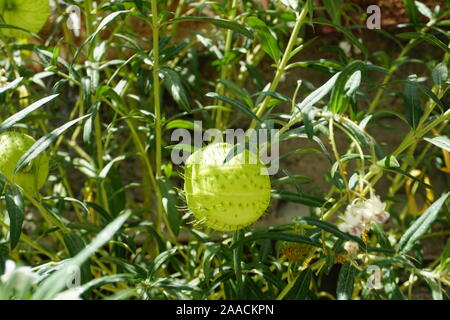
pixel 351 247
pixel 360 215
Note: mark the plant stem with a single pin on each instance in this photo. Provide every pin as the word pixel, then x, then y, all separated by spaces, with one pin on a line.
pixel 88 17
pixel 284 60
pixel 224 74
pixel 157 109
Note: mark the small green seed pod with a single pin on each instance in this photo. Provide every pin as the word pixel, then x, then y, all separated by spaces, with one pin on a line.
pixel 13 146
pixel 226 196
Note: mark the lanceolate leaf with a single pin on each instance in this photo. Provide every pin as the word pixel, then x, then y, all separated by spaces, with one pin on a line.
pixel 267 40
pixel 43 143
pixel 170 204
pixel 412 11
pixel 11 85
pixel 427 37
pixel 411 98
pixel 221 23
pixel 329 228
pixel 301 287
pixel 346 282
pixel 238 105
pixel 440 74
pixel 15 208
pixel 317 94
pixel 349 79
pixel 173 84
pixel 281 236
pixel 297 198
pixel 350 37
pixel 421 225
pixel 8 123
pixel 423 9
pixel 56 282
pixel 107 20
pixel 442 142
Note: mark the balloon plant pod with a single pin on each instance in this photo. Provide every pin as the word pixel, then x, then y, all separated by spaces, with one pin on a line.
pixel 13 146
pixel 26 14
pixel 226 196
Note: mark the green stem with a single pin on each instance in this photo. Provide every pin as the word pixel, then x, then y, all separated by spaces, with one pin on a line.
pixel 88 16
pixel 224 74
pixel 284 61
pixel 157 107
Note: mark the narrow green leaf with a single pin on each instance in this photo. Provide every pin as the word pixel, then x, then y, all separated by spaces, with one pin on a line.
pixel 265 37
pixel 424 10
pixel 427 37
pixel 280 236
pixel 15 208
pixel 442 142
pixel 11 85
pixel 107 20
pixel 346 282
pixel 75 245
pixel 440 74
pixel 242 93
pixel 221 23
pixel 99 282
pixel 348 81
pixel 43 143
pixel 328 227
pixel 174 84
pixel 102 175
pixel 411 10
pixel 317 94
pixel 297 198
pixel 170 204
pixel 301 287
pixel 8 123
pixel 350 37
pixel 238 105
pixel 160 260
pixel 421 225
pixel 411 98
pixel 57 281
pixel 390 284
pixel 435 287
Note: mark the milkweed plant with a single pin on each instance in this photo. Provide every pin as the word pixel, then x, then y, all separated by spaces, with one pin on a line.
pixel 145 148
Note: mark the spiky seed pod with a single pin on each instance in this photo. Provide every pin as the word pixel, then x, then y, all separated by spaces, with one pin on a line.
pixel 13 146
pixel 226 196
pixel 26 14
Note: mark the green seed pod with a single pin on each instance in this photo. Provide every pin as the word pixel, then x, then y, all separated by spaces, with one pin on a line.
pixel 13 146
pixel 228 196
pixel 26 14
